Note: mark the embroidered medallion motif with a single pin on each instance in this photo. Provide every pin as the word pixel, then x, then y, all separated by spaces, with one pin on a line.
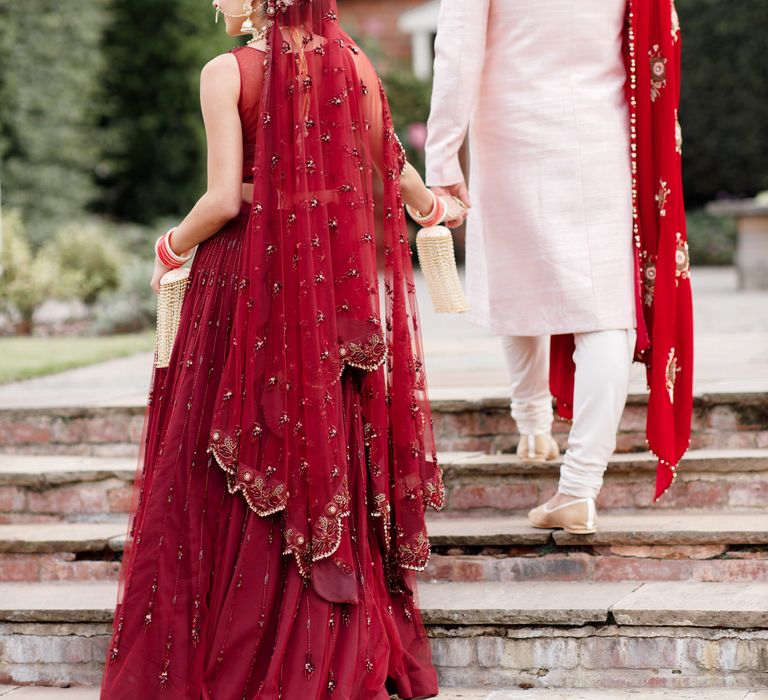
pixel 649 282
pixel 682 259
pixel 661 197
pixel 368 355
pixel 415 555
pixel 658 72
pixel 263 497
pixel 671 374
pixel 224 448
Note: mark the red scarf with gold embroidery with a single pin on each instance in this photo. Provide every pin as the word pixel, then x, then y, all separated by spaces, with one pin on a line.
pixel 663 292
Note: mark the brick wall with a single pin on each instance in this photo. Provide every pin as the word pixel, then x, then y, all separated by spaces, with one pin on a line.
pixel 377 20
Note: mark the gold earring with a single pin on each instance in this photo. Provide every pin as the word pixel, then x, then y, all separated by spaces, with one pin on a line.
pixel 247 26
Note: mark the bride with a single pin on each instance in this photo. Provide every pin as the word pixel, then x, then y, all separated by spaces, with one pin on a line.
pixel 288 458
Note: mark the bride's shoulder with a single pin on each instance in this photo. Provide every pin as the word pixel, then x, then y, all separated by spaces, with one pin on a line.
pixel 221 67
pixel 220 78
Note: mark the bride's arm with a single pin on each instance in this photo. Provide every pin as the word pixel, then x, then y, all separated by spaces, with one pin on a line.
pixel 415 193
pixel 219 93
pixel 459 56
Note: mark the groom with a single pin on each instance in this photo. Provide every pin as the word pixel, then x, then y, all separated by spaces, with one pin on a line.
pixel 576 252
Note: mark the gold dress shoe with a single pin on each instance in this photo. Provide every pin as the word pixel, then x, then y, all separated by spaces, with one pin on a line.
pixel 578 517
pixel 537 448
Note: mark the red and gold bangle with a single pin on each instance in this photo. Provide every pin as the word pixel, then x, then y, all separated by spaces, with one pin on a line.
pixel 166 255
pixel 435 216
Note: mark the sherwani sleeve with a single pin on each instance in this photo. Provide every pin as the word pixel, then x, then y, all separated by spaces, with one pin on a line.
pixel 459 56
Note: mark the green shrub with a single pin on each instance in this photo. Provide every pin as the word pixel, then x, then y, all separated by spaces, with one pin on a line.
pixel 88 259
pixel 132 306
pixel 26 280
pixel 711 239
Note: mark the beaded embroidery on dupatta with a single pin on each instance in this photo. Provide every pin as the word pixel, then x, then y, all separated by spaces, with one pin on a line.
pixel 308 311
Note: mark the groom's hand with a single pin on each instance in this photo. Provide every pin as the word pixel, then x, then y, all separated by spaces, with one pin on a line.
pixel 458 190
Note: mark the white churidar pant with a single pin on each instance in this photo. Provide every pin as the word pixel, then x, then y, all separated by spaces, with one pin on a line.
pixel 603 360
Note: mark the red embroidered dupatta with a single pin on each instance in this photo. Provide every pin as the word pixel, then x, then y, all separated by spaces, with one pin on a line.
pixel 652 52
pixel 308 311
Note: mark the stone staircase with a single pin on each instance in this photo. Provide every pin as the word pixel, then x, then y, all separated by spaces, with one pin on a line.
pixel 663 598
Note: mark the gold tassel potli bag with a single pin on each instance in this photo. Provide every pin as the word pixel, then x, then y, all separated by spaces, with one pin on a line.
pixel 173 286
pixel 438 264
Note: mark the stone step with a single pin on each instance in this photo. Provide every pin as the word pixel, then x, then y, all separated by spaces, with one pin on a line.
pixel 39 488
pixel 646 546
pixel 476 482
pixel 578 635
pixel 81 693
pixel 46 538
pixel 639 529
pixel 55 487
pixel 720 420
pixel 719 546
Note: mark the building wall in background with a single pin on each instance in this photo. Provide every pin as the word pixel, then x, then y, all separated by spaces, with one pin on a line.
pixel 377 20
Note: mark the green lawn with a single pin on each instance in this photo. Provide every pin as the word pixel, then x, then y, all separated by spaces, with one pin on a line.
pixel 23 357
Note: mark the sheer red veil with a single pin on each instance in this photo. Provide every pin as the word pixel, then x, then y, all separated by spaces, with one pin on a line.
pixel 309 310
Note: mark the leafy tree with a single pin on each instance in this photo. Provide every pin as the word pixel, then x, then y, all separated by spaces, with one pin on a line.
pixel 724 97
pixel 49 67
pixel 153 138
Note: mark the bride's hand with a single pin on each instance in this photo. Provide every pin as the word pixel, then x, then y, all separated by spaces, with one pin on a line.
pixel 157 275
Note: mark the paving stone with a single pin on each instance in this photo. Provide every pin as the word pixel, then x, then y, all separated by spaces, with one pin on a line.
pixel 57 602
pixel 634 529
pixel 520 603
pixel 40 693
pixel 476 464
pixel 37 693
pixel 58 537
pixel 42 471
pixel 674 528
pixel 636 694
pixel 731 605
pixel 484 531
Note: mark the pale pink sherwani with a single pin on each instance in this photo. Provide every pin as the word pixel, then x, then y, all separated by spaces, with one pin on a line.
pixel 540 85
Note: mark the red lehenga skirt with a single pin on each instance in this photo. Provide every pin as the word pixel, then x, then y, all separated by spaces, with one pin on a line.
pixel 209 608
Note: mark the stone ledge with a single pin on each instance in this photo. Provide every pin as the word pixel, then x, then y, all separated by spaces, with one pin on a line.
pixel 59 537
pixel 43 471
pixel 457 404
pixel 688 604
pixel 40 693
pixel 57 602
pixel 10 692
pixel 478 464
pixel 520 603
pixel 655 528
pixel 632 529
pixel 447 403
pixel 696 604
